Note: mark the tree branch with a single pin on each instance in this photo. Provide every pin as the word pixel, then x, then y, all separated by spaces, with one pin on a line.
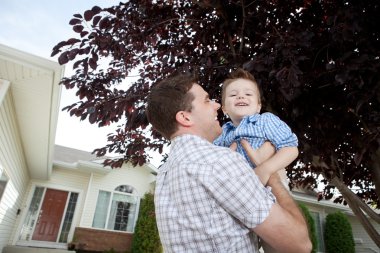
pixel 242 28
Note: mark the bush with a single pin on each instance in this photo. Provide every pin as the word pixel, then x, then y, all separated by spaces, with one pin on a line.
pixel 145 238
pixel 338 234
pixel 311 226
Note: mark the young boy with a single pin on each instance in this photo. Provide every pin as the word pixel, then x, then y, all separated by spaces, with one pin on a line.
pixel 241 103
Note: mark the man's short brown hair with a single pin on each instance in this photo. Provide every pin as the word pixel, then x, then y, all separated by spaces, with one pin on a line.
pixel 238 74
pixel 168 97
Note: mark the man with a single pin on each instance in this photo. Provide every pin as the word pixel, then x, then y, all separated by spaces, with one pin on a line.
pixel 207 198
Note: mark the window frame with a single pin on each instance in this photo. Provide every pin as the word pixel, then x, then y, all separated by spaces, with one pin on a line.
pixel 319 229
pixel 108 207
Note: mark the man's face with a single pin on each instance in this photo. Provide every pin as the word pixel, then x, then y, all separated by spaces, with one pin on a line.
pixel 241 99
pixel 204 114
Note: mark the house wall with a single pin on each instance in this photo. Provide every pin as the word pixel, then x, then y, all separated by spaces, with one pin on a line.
pixel 137 177
pixel 61 179
pixel 70 180
pixel 13 163
pixel 102 240
pixel 363 243
pixel 140 178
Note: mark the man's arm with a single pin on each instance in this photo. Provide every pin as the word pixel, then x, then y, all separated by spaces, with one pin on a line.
pixel 285 228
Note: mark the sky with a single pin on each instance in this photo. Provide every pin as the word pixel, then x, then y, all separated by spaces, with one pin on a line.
pixel 36 27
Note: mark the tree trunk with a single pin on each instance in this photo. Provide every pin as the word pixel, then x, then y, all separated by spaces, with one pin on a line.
pixel 375 167
pixel 356 205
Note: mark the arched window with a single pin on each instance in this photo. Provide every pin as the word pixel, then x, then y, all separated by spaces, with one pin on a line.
pixel 126 188
pixel 117 210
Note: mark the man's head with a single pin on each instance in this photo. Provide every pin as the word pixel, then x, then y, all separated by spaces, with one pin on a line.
pixel 168 97
pixel 178 105
pixel 240 95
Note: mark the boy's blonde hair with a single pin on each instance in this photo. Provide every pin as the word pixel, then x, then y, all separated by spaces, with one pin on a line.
pixel 238 74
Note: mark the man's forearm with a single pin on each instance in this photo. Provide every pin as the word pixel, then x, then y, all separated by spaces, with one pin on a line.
pixel 285 200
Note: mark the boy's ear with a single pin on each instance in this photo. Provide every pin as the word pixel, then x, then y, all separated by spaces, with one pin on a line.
pixel 183 118
pixel 259 108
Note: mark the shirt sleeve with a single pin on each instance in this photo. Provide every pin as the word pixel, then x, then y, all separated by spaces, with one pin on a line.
pixel 222 139
pixel 236 188
pixel 278 132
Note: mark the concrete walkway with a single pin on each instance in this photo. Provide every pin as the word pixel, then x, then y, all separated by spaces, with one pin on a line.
pixel 19 249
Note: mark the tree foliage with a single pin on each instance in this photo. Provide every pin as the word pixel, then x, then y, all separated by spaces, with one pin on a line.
pixel 316 61
pixel 146 238
pixel 338 234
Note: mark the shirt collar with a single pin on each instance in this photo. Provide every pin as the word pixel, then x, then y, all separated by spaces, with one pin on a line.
pixel 246 119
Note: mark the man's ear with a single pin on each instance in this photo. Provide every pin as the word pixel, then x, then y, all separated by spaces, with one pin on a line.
pixel 183 118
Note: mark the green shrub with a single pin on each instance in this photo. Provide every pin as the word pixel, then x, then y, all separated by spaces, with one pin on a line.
pixel 311 226
pixel 146 238
pixel 338 234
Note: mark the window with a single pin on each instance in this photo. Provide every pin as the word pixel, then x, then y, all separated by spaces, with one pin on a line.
pixel 3 182
pixel 116 210
pixel 318 230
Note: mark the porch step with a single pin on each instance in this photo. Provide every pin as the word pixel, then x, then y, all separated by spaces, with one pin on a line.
pixel 19 249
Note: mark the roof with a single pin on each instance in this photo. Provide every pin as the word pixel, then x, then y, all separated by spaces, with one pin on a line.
pixel 36 94
pixel 70 158
pixel 71 155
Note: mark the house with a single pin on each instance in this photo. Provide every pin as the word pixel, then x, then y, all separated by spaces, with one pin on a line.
pixel 53 198
pixel 320 209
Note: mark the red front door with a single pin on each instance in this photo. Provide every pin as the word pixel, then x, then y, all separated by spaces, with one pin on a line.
pixel 51 213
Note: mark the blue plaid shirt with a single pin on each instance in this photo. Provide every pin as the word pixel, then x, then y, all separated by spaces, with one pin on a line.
pixel 257 129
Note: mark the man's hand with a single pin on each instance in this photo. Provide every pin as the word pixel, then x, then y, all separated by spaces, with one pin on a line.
pixel 233 146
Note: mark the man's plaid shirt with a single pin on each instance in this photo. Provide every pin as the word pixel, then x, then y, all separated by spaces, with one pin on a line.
pixel 207 198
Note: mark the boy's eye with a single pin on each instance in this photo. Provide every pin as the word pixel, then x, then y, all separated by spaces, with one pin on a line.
pixel 232 95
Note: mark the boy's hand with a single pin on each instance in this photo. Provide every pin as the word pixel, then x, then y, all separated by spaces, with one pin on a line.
pixel 260 155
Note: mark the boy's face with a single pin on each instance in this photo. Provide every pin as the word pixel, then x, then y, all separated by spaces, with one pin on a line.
pixel 242 98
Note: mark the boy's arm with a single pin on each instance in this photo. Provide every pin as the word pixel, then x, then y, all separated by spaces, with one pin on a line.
pixel 282 158
pixel 267 165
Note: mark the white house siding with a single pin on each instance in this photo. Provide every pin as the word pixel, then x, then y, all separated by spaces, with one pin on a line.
pixel 138 177
pixel 363 242
pixel 12 162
